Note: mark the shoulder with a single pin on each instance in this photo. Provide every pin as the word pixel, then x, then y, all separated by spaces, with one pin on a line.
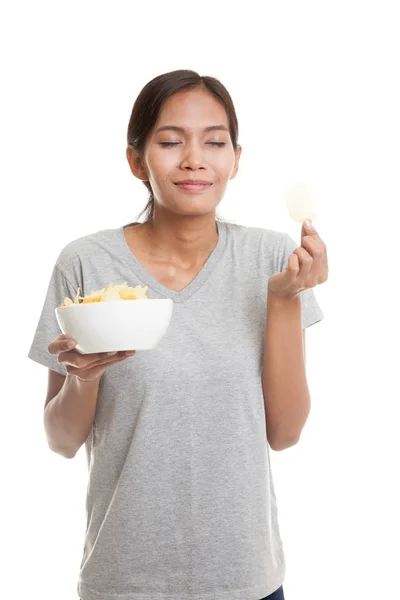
pixel 268 238
pixel 73 252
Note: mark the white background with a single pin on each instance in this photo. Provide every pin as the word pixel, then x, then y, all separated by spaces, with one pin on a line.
pixel 315 89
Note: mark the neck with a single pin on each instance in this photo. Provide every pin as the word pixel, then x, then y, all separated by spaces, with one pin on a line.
pixel 182 241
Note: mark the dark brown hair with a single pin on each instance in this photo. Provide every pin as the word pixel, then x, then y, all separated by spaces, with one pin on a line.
pixel 148 105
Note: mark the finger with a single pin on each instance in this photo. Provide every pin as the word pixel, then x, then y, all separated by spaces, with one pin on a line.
pixel 316 248
pixel 110 358
pixel 61 343
pixel 96 367
pixel 305 261
pixel 81 361
pixel 309 230
pixel 94 372
pixel 293 266
pixel 87 361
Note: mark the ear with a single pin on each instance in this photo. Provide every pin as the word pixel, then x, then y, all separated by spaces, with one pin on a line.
pixel 237 159
pixel 136 164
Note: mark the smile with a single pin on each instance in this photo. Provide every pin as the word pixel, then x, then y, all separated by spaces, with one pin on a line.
pixel 193 187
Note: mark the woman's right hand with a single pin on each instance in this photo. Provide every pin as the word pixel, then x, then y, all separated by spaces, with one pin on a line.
pixel 86 367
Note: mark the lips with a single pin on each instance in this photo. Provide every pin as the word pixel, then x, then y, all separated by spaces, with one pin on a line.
pixel 193 186
pixel 193 182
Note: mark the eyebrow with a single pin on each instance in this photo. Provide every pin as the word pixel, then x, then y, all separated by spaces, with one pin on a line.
pixel 182 130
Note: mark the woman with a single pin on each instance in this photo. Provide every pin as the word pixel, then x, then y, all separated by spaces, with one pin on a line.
pixel 180 501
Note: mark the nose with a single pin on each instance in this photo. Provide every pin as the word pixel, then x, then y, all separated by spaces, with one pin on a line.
pixel 192 157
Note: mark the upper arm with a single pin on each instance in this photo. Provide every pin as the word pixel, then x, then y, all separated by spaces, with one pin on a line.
pixel 54 384
pixel 304 344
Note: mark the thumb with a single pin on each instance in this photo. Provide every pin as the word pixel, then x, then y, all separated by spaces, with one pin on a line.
pixel 307 228
pixel 60 344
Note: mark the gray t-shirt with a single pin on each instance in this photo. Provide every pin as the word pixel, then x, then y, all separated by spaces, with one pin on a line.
pixel 180 501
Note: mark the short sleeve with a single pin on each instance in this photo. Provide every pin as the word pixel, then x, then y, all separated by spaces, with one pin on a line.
pixel 311 312
pixel 48 329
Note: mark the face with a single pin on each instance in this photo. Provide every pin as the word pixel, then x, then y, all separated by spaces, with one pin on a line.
pixel 198 147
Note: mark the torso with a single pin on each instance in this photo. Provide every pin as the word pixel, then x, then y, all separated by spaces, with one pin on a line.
pixel 172 276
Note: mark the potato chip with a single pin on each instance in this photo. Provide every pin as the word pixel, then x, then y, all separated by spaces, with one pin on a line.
pixel 110 295
pixel 300 203
pixel 132 293
pixel 76 301
pixel 67 302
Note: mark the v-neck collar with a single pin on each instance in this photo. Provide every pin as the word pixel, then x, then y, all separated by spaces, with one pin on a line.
pixel 156 286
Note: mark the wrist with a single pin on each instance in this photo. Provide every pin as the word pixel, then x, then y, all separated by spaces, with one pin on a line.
pixel 83 383
pixel 278 300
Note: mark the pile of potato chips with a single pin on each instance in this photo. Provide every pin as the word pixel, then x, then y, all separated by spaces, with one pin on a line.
pixel 109 294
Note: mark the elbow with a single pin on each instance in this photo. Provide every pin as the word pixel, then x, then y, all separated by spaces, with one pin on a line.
pixel 69 455
pixel 283 444
pixel 65 453
pixel 59 442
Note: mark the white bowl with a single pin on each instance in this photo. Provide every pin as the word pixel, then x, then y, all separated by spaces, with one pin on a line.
pixel 115 326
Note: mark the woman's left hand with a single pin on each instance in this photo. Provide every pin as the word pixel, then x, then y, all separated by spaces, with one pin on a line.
pixel 307 267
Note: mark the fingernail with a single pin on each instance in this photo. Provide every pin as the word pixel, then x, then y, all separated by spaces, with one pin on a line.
pixel 308 224
pixel 111 353
pixel 130 352
pixel 70 344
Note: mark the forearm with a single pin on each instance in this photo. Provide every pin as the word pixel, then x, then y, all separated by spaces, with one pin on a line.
pixel 68 417
pixel 286 394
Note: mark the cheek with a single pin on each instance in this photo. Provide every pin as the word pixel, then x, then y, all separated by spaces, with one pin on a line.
pixel 160 163
pixel 224 160
pixel 224 166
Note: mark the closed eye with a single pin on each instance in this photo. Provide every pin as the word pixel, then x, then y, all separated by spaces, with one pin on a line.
pixel 170 144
